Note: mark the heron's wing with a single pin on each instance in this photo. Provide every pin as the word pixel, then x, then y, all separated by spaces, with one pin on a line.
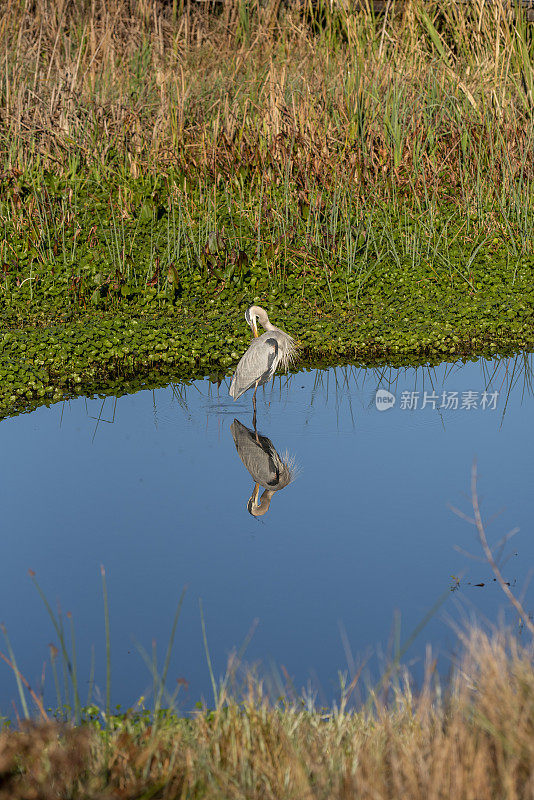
pixel 259 458
pixel 275 462
pixel 257 365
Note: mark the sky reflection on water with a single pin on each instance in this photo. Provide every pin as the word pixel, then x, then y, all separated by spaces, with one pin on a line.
pixel 155 487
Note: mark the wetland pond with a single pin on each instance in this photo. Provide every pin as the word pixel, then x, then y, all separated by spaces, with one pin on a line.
pixel 348 557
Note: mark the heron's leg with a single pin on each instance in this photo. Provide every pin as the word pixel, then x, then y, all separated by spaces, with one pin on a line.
pixel 254 414
pixel 254 407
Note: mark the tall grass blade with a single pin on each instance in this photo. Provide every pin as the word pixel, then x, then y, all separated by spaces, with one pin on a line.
pixel 208 657
pixel 108 641
pixel 20 687
pixel 58 626
pixel 169 651
pixel 77 704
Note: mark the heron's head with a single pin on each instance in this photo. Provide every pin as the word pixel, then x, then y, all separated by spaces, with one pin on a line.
pixel 250 317
pixel 259 509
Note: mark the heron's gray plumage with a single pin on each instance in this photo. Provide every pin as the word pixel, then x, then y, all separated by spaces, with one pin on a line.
pixel 266 467
pixel 265 353
pixel 260 458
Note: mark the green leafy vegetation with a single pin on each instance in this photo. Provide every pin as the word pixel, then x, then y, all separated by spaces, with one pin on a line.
pixel 95 290
pixel 367 178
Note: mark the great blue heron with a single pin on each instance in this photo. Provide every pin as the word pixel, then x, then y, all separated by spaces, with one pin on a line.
pixel 259 363
pixel 266 467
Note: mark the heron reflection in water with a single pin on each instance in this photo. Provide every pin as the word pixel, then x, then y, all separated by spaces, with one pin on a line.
pixel 260 361
pixel 267 468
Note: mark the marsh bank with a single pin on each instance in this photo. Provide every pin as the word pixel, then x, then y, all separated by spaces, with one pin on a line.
pixel 85 304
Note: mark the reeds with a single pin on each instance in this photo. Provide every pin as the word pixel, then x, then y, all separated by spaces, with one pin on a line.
pixel 427 97
pixel 315 149
pixel 472 739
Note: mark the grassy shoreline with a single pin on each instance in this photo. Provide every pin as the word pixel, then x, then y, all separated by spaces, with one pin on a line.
pixel 368 179
pixel 37 366
pixel 471 738
pixel 95 289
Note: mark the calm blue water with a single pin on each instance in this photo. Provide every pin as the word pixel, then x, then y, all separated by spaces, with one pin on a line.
pixel 156 492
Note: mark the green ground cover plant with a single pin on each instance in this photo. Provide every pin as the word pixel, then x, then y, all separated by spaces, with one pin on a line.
pixel 366 177
pixel 87 302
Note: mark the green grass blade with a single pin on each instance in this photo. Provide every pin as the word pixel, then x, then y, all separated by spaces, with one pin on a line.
pixel 77 704
pixel 169 650
pixel 20 687
pixel 108 641
pixel 208 658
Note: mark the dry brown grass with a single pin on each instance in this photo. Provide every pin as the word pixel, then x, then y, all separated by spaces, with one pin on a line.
pixel 475 741
pixel 427 95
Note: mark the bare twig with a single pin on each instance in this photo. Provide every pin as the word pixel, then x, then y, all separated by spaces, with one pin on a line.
pixel 489 554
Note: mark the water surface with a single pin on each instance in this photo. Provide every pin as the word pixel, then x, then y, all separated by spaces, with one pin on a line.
pixel 152 487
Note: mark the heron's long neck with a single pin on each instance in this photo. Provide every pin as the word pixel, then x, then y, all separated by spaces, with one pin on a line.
pixel 261 508
pixel 265 323
pixel 265 501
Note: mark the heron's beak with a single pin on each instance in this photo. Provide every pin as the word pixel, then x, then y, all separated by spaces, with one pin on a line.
pixel 254 327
